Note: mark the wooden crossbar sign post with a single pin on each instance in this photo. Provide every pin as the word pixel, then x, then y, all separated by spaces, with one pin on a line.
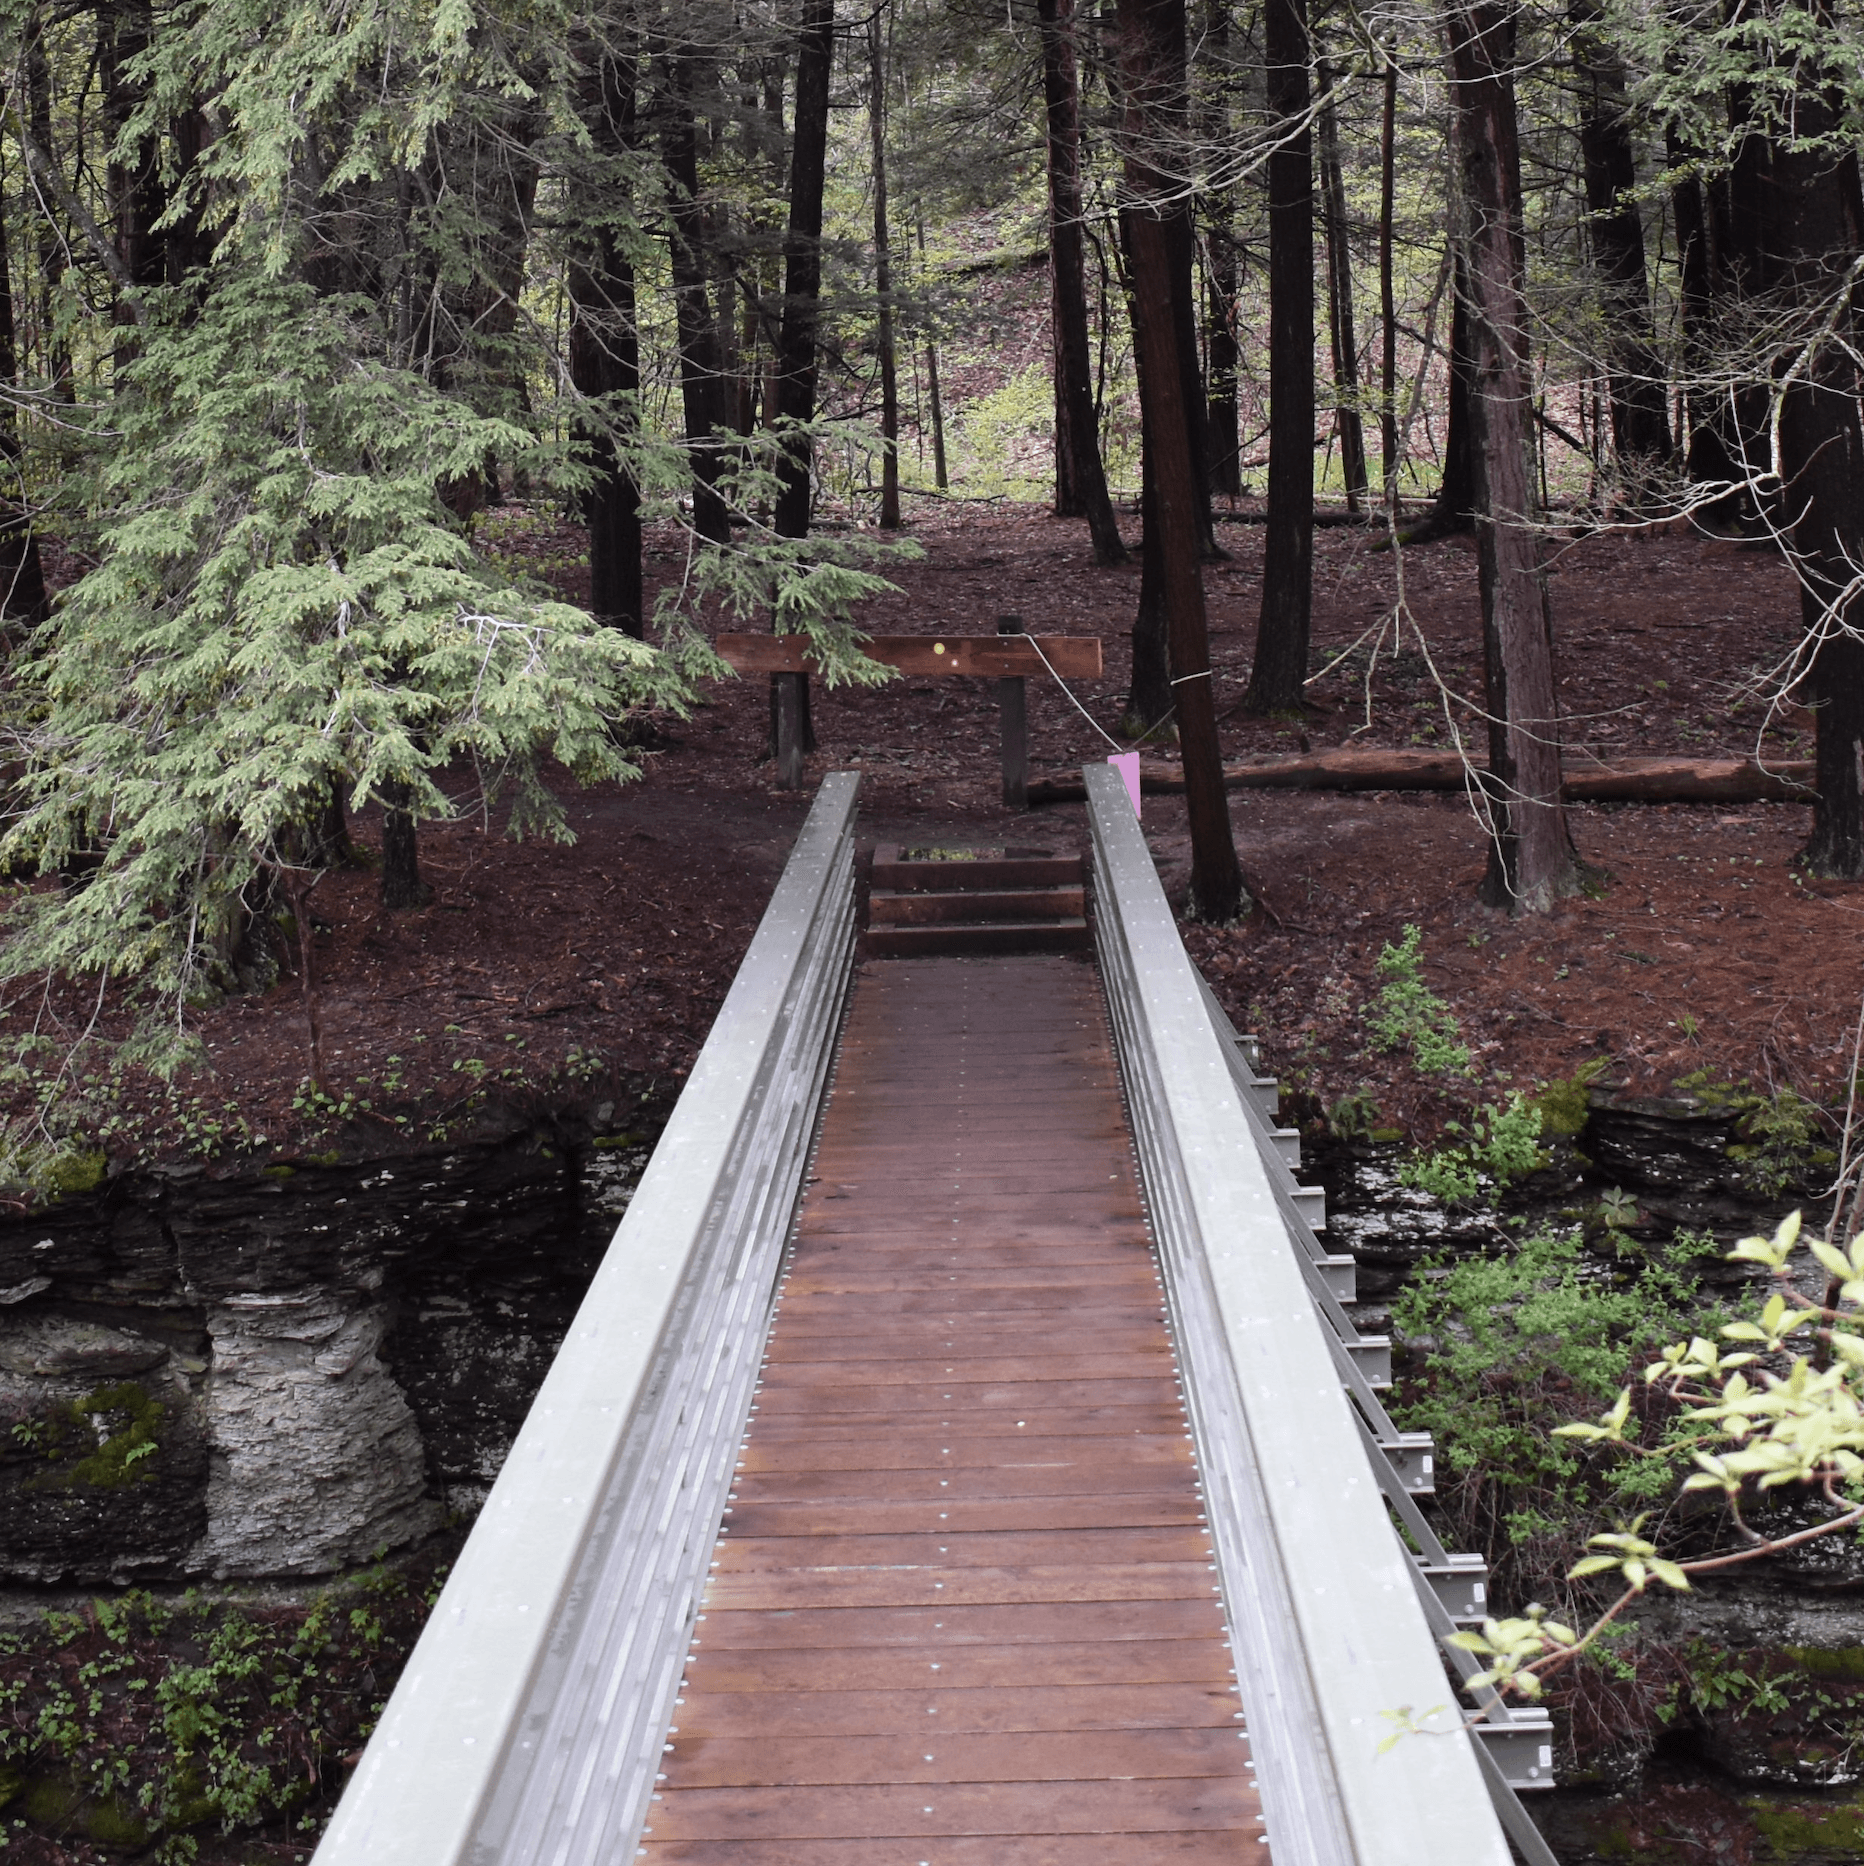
pixel 1010 655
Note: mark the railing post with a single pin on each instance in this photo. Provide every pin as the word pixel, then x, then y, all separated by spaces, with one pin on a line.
pixel 1013 709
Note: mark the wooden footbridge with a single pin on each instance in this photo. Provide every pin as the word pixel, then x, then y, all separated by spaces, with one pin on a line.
pixel 965 1455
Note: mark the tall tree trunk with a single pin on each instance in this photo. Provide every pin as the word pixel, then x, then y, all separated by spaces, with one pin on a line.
pixel 1639 395
pixel 1149 702
pixel 1453 510
pixel 1223 452
pixel 701 374
pixel 22 578
pixel 1223 357
pixel 138 199
pixel 1705 452
pixel 1731 439
pixel 1181 246
pixel 1080 477
pixel 1531 859
pixel 1152 48
pixel 605 361
pixel 1278 677
pixel 796 340
pixel 1809 204
pixel 1388 300
pixel 1348 424
pixel 802 261
pixel 883 286
pixel 54 346
pixel 402 886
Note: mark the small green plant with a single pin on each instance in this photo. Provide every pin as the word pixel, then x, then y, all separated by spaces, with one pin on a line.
pixel 1499 1145
pixel 1781 1139
pixel 1616 1210
pixel 1354 1116
pixel 1409 1015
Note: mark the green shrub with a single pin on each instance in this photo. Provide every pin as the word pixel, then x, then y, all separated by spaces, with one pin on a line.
pixel 1513 1346
pixel 1409 1015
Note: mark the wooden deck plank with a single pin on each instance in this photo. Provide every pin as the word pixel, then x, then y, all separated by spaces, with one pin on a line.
pixel 894 1809
pixel 1026 1623
pixel 1037 1421
pixel 1103 1508
pixel 1123 1706
pixel 1040 1548
pixel 1013 1398
pixel 930 1757
pixel 1111 1662
pixel 1213 1847
pixel 963 1610
pixel 902 1584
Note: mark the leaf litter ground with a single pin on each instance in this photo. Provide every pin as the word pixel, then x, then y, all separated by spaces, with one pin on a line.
pixel 545 976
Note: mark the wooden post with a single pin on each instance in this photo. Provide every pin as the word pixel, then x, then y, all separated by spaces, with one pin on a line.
pixel 1013 708
pixel 788 689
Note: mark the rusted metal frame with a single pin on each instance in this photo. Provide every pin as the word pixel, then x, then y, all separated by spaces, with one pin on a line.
pixel 1317 1587
pixel 528 1723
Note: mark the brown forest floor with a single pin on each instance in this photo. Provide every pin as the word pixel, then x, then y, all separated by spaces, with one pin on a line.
pixel 1705 949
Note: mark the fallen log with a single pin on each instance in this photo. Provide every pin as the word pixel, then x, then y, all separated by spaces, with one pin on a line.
pixel 1623 780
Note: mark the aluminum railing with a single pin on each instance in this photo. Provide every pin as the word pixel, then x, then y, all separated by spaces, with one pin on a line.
pixel 526 1728
pixel 1333 1650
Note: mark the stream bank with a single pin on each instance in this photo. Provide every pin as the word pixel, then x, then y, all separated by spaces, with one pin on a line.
pixel 283 1373
pixel 1737 1736
pixel 330 1358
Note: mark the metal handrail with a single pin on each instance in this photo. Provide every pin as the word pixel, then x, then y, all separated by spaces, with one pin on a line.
pixel 1331 1645
pixel 528 1723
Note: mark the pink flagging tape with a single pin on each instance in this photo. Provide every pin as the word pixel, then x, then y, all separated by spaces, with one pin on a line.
pixel 1127 765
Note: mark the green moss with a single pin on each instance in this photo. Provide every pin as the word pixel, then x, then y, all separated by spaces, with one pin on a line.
pixel 277 1172
pixel 12 1782
pixel 55 1801
pixel 323 1159
pixel 1808 1827
pixel 69 1173
pixel 1843 1662
pixel 1565 1106
pixel 604 1141
pixel 125 1457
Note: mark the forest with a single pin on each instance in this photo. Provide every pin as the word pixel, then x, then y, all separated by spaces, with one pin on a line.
pixel 1446 415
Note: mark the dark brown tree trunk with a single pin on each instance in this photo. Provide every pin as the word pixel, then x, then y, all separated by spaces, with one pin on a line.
pixel 1223 456
pixel 1152 49
pixel 1808 200
pixel 1223 357
pixel 54 347
pixel 802 257
pixel 1639 392
pixel 1181 245
pixel 701 375
pixel 1389 466
pixel 138 199
pixel 1080 478
pixel 796 344
pixel 1277 680
pixel 605 362
pixel 883 286
pixel 1453 510
pixel 1149 703
pixel 1705 452
pixel 1349 426
pixel 22 579
pixel 1731 421
pixel 1531 859
pixel 402 886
